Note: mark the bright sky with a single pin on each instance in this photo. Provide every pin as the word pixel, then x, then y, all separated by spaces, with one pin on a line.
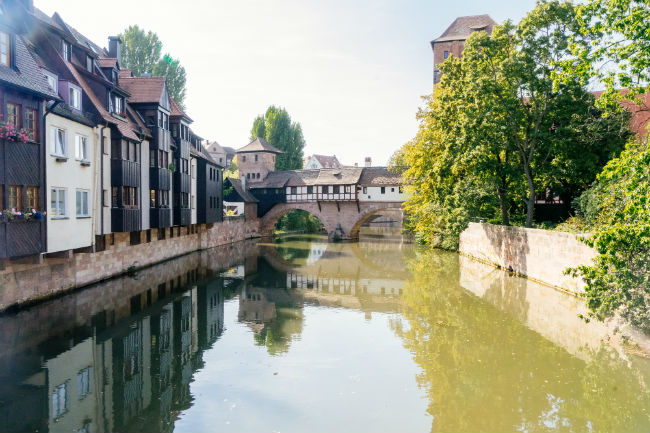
pixel 351 72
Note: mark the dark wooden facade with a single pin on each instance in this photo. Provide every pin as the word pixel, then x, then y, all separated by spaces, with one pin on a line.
pixel 182 185
pixel 209 191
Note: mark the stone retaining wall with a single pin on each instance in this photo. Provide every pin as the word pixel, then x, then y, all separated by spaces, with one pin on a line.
pixel 26 282
pixel 541 255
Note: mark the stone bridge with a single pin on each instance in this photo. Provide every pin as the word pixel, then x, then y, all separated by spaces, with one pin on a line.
pixel 342 219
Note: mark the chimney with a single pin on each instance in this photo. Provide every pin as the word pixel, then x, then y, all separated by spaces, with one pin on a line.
pixel 368 161
pixel 115 48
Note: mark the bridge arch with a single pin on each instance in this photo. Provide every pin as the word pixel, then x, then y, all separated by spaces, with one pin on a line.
pixel 341 219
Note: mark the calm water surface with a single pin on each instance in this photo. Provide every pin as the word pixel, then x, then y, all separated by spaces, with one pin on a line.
pixel 299 335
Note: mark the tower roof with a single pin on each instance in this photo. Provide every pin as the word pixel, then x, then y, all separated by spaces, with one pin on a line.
pixel 259 145
pixel 462 27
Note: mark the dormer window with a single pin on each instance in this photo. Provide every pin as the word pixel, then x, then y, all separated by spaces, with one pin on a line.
pixel 89 63
pixel 5 49
pixel 75 97
pixel 65 50
pixel 52 81
pixel 118 105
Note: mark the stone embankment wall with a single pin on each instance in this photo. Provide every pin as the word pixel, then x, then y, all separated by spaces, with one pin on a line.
pixel 541 255
pixel 27 282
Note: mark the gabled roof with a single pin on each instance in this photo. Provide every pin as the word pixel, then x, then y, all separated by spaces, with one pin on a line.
pixel 229 150
pixel 144 89
pixel 259 145
pixel 177 112
pixel 27 73
pixel 462 27
pixel 275 179
pixel 327 161
pixel 322 176
pixel 379 176
pixel 240 191
pixel 203 154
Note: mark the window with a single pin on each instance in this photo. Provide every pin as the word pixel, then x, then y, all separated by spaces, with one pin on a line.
pixel 365 190
pixel 392 190
pixel 294 190
pixel 243 158
pixel 118 104
pixel 52 80
pixel 163 198
pixel 152 158
pixel 152 198
pixel 401 189
pixel 57 202
pixel 75 98
pixel 114 195
pixel 326 189
pixel 185 200
pixel 383 190
pixel 5 49
pixel 310 189
pixel 57 142
pixel 13 115
pixel 258 175
pixel 335 189
pixel 32 197
pixel 31 122
pixel 348 188
pixel 256 157
pixel 89 63
pixel 82 203
pixel 129 196
pixel 446 54
pixel 60 400
pixel 83 383
pixel 248 175
pixel 15 197
pixel 65 51
pixel 81 147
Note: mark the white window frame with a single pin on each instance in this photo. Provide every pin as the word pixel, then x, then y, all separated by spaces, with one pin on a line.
pixel 58 148
pixel 60 400
pixel 52 80
pixel 80 201
pixel 66 50
pixel 58 210
pixel 75 96
pixel 81 142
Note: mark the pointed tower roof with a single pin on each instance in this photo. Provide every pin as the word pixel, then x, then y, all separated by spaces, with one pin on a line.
pixel 259 145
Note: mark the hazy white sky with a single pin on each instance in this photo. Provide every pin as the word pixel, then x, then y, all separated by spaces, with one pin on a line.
pixel 351 72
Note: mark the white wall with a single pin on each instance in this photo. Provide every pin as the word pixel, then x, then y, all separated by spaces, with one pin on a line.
pixel 373 193
pixel 70 231
pixel 237 206
pixel 102 182
pixel 313 163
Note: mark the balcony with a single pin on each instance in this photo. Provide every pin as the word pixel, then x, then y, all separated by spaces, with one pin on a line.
pixel 159 178
pixel 125 173
pixel 125 220
pixel 20 238
pixel 182 216
pixel 160 218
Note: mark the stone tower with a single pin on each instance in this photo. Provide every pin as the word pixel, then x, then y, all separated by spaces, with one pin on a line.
pixel 256 160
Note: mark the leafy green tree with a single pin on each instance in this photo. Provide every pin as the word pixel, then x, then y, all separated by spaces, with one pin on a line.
pixel 617 211
pixel 611 31
pixel 278 129
pixel 140 50
pixel 141 53
pixel 176 77
pixel 497 131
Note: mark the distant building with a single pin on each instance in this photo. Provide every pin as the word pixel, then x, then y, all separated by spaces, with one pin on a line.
pixel 256 160
pixel 452 41
pixel 322 161
pixel 217 153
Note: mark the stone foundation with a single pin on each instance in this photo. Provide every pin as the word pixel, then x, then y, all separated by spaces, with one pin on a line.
pixel 541 255
pixel 22 282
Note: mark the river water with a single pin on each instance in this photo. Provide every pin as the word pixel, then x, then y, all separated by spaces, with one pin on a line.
pixel 298 335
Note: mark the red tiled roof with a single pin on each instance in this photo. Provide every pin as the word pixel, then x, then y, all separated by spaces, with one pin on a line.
pixel 106 62
pixel 327 161
pixel 640 114
pixel 143 89
pixel 462 27
pixel 259 145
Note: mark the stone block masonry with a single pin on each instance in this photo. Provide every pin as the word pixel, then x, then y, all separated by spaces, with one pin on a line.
pixel 22 283
pixel 540 255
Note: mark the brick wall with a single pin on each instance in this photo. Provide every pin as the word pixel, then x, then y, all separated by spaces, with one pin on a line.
pixel 541 255
pixel 26 282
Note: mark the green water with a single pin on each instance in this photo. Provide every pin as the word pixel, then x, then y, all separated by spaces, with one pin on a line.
pixel 298 335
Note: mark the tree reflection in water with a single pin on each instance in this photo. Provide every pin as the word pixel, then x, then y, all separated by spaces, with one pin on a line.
pixel 484 370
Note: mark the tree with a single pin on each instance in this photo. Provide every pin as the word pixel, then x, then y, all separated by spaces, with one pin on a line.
pixel 497 131
pixel 617 211
pixel 140 50
pixel 175 73
pixel 611 32
pixel 141 53
pixel 278 129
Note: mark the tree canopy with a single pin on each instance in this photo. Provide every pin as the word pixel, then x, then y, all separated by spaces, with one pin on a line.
pixel 498 131
pixel 141 53
pixel 276 127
